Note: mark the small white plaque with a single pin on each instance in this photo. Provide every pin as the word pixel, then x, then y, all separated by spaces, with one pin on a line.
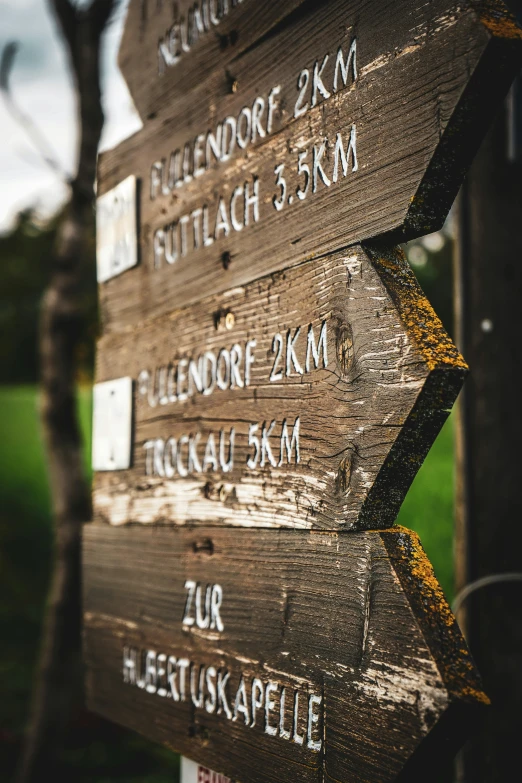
pixel 112 425
pixel 191 772
pixel 116 230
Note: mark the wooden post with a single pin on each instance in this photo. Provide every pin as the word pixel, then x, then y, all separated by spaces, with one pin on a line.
pixel 489 434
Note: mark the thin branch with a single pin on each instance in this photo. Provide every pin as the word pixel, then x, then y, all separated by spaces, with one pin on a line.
pixel 101 12
pixel 36 136
pixel 67 15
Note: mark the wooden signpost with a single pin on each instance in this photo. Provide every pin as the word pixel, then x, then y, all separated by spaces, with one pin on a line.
pixel 276 655
pixel 270 378
pixel 301 400
pixel 342 121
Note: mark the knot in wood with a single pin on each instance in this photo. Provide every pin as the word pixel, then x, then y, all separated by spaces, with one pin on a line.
pixel 344 475
pixel 344 348
pixel 230 320
pixel 203 545
pixel 224 319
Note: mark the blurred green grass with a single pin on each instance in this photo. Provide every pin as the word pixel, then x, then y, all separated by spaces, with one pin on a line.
pixel 428 507
pixel 25 558
pixel 96 751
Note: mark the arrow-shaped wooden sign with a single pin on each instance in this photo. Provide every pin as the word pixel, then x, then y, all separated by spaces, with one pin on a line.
pixel 305 399
pixel 339 122
pixel 278 656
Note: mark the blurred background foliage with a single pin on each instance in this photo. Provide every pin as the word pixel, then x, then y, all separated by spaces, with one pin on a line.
pixel 23 277
pixel 95 749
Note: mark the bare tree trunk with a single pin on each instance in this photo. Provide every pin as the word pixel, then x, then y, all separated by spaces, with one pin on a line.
pixel 61 321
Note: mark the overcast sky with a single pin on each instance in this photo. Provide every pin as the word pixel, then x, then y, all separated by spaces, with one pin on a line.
pixel 42 87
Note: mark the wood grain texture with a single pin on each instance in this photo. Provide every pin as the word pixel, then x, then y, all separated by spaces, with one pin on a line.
pixel 332 614
pixel 149 20
pixel 428 78
pixel 366 419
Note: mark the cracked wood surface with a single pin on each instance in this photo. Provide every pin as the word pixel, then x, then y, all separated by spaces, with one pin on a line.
pixel 428 77
pixel 356 618
pixel 367 419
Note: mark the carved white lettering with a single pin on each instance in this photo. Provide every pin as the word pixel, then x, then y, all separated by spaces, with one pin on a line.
pixel 203 619
pixel 272 107
pixel 182 390
pixel 241 702
pixel 130 657
pixel 271 687
pixel 223 369
pixel 253 440
pixel 194 465
pixel 313 350
pixel 228 144
pixel 197 692
pixel 339 153
pixel 183 665
pixel 258 691
pixel 317 81
pixel 211 700
pixel 297 738
pixel 258 108
pixel 216 600
pixel 170 457
pixel 188 618
pixel 266 451
pixel 159 447
pixel 313 719
pixel 343 67
pixel 210 458
pixel 290 445
pixel 244 127
pixel 179 39
pixel 249 359
pixel 207 688
pixel 161 671
pixel 172 675
pixel 302 85
pixel 291 357
pixel 226 466
pixel 317 168
pixel 222 680
pixel 182 470
pixel 277 348
pixel 283 733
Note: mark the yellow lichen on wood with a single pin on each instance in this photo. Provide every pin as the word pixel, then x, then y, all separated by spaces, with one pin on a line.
pixel 418 316
pixel 497 18
pixel 433 613
pixel 422 571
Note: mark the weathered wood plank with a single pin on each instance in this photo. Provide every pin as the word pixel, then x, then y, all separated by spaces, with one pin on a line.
pixel 154 85
pixel 347 352
pixel 414 102
pixel 355 620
